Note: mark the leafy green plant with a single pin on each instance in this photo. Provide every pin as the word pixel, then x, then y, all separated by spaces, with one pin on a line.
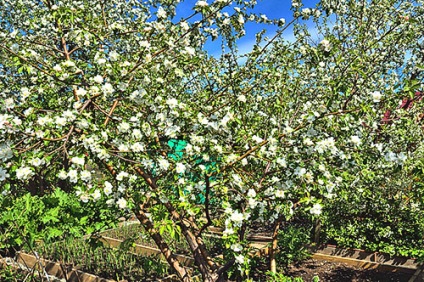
pixel 279 277
pixel 28 219
pixel 292 241
pixel 386 218
pixel 9 273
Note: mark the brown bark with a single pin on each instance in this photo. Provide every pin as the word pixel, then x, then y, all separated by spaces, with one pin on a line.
pixel 162 245
pixel 208 268
pixel 115 103
pixel 317 231
pixel 274 245
pixel 197 246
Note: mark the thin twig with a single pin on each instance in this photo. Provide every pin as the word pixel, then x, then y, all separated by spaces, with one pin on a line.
pixel 115 103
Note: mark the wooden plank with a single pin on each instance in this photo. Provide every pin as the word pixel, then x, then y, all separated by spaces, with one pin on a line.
pixel 354 257
pixel 362 263
pixel 145 250
pixel 382 259
pixel 55 269
pixel 418 276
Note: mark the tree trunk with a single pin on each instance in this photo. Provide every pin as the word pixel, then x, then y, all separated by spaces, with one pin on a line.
pixel 274 245
pixel 272 261
pixel 205 264
pixel 163 246
pixel 317 231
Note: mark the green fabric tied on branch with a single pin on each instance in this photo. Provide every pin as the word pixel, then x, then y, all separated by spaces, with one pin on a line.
pixel 177 152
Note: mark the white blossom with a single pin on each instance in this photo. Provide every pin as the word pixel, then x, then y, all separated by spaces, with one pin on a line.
pixel 113 55
pixel 279 194
pixel 137 147
pixel 172 103
pixel 78 161
pixel 81 92
pixel 236 247
pixel 37 162
pixel 306 12
pixel 316 209
pixel 180 168
pixel 25 93
pixel 98 79
pixel 96 195
pixel 376 96
pixel 242 98
pixel 101 61
pixel 237 218
pixel 251 193
pixel 184 25
pixel 108 188
pixel 163 164
pixel 325 45
pixel 124 127
pixel 190 51
pixel 201 3
pixel 239 259
pixel 73 175
pixel 257 139
pixel 3 174
pixel 227 231
pixel 161 13
pixel 122 203
pixel 9 103
pixel 122 175
pixel 24 173
pixel 107 88
pixel 85 175
pixel 5 152
pixel 62 175
pixel 355 140
pixel 69 64
pixel 60 121
pixel 57 68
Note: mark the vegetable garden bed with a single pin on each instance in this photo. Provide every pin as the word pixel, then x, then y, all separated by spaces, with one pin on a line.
pixel 26 263
pixel 365 263
pixel 58 270
pixel 93 261
pixel 126 254
pixel 336 271
pixel 365 259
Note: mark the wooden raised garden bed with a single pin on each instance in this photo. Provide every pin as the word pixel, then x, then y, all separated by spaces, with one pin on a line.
pixel 370 260
pixel 69 274
pixel 354 257
pixel 58 270
pixel 144 250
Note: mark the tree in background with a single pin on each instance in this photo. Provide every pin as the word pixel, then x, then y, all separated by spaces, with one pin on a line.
pixel 120 100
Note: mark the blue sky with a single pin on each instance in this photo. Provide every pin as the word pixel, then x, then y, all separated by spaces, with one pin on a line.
pixel 273 9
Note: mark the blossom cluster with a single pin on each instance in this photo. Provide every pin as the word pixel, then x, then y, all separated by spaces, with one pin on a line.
pixel 130 108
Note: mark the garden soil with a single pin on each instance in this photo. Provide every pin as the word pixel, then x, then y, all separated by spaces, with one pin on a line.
pixel 341 272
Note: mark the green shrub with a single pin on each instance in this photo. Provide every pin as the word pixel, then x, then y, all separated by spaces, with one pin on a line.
pixel 292 242
pixel 27 219
pixel 278 277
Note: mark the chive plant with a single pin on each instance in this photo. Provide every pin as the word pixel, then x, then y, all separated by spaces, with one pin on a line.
pixel 105 261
